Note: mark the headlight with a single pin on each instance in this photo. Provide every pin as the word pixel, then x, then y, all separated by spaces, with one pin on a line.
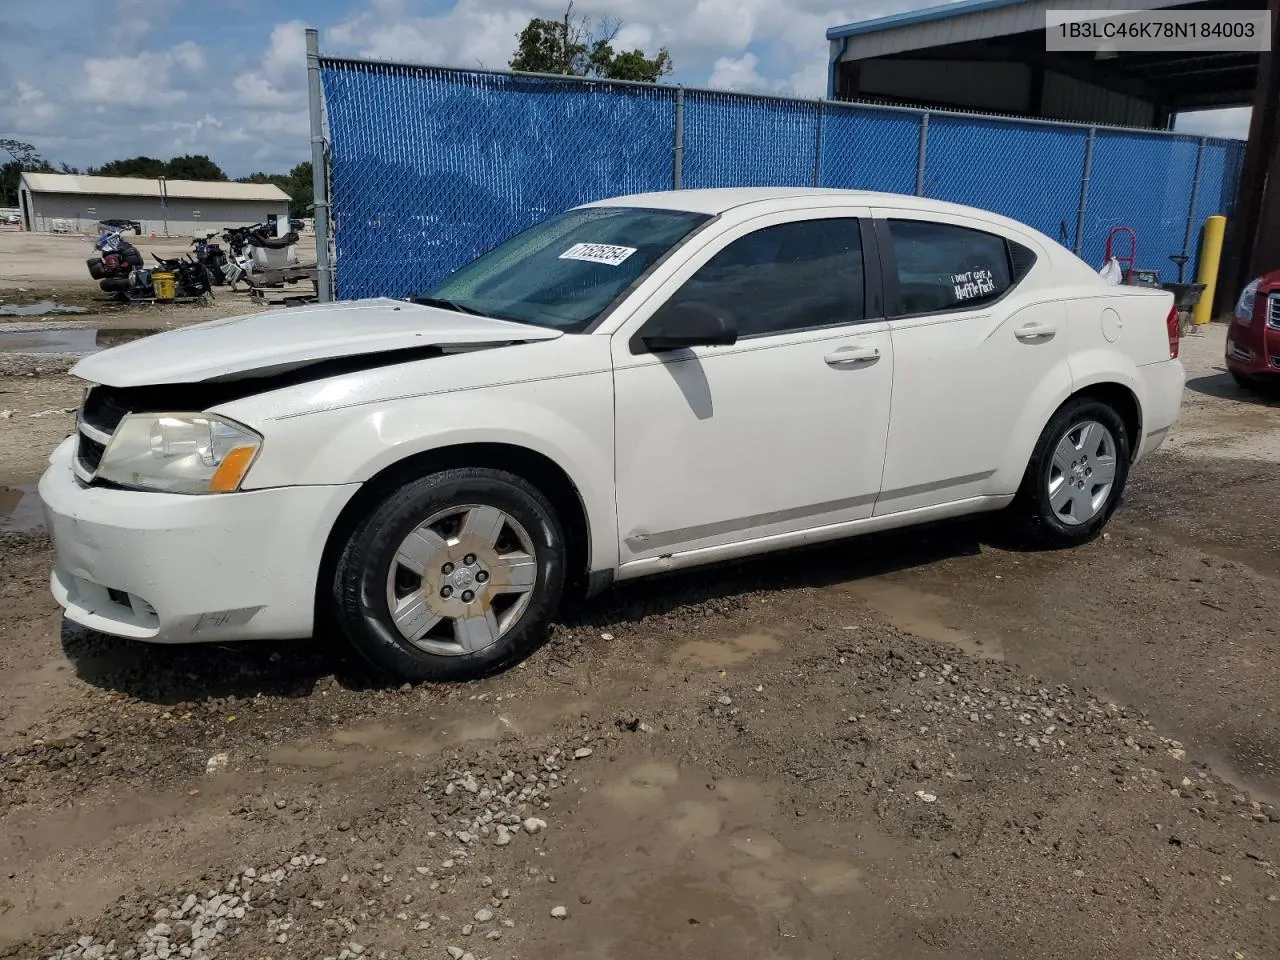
pixel 1244 306
pixel 179 453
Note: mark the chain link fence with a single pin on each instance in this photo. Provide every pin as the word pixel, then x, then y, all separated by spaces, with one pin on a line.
pixel 431 166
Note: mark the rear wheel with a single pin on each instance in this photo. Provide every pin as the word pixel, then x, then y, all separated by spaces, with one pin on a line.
pixel 453 576
pixel 1076 476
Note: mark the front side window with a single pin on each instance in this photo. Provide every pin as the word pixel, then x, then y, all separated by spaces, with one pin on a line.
pixel 566 271
pixel 943 267
pixel 792 276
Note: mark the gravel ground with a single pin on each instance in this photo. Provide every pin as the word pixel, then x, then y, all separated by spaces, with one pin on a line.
pixel 922 745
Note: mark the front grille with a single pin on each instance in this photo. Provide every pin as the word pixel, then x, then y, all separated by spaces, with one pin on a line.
pixel 101 413
pixel 1273 311
pixel 103 410
pixel 89 453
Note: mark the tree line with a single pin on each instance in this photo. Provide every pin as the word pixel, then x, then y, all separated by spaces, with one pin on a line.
pixel 24 158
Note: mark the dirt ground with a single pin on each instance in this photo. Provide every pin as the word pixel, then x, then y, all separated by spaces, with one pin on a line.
pixel 914 746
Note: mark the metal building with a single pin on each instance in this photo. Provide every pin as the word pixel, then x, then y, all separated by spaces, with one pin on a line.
pixel 989 56
pixel 64 203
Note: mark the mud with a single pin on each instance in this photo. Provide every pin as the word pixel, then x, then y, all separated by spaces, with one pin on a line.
pixel 79 340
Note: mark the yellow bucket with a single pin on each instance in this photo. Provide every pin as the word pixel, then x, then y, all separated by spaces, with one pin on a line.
pixel 165 287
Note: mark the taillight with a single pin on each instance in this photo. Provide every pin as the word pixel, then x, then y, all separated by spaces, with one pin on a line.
pixel 1171 322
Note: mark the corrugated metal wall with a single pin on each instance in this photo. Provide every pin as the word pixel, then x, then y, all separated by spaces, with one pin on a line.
pixel 80 213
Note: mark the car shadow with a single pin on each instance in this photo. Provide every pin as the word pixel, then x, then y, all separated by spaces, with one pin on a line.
pixel 1223 386
pixel 193 673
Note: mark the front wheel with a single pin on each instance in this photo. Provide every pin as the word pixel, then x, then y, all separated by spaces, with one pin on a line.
pixel 1076 476
pixel 452 576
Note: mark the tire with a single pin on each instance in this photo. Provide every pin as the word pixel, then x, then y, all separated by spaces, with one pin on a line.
pixel 454 551
pixel 1054 512
pixel 1247 383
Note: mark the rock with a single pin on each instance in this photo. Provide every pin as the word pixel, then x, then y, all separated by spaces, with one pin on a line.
pixel 216 764
pixel 280 804
pixel 533 825
pixel 466 929
pixel 493 935
pixel 455 952
pixel 582 753
pixel 483 915
pixel 724 700
pixel 926 797
pixel 503 838
pixel 560 913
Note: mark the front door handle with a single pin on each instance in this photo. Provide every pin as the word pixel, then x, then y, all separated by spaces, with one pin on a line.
pixel 848 356
pixel 1035 331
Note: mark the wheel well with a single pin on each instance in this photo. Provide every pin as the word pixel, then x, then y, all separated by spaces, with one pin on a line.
pixel 1120 399
pixel 541 471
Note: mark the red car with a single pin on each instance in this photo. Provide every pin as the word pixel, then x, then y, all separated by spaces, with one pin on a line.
pixel 1253 340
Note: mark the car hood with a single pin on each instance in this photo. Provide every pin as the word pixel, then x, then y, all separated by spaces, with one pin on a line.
pixel 294 337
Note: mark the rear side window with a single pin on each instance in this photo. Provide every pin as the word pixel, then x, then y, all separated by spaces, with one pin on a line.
pixel 792 276
pixel 942 268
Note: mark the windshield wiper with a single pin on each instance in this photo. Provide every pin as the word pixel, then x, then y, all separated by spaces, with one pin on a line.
pixel 446 304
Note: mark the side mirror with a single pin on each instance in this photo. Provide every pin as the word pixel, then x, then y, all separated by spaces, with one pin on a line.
pixel 689 324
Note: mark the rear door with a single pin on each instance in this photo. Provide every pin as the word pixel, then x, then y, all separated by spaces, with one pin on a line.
pixel 978 342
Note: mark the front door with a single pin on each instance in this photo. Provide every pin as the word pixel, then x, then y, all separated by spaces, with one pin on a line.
pixel 784 430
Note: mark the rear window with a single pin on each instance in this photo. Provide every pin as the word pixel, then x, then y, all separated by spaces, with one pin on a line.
pixel 943 268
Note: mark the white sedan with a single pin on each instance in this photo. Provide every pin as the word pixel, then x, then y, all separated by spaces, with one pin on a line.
pixel 637 385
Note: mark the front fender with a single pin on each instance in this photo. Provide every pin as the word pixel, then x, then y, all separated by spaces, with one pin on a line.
pixel 568 420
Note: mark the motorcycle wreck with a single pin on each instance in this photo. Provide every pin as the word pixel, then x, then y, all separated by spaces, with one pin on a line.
pixel 121 271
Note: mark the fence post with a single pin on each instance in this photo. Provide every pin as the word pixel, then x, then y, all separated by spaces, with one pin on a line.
pixel 1191 204
pixel 319 170
pixel 677 154
pixel 924 148
pixel 817 147
pixel 1084 190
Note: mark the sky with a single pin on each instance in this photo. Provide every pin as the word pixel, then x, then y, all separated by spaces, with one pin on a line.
pixel 88 81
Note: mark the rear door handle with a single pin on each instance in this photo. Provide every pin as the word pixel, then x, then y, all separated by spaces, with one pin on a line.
pixel 1035 331
pixel 848 356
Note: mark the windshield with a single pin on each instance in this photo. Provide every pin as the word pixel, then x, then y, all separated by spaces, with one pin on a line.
pixel 566 271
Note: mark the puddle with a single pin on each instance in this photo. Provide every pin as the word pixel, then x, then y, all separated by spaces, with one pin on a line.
pixel 40 309
pixel 714 828
pixel 921 613
pixel 725 653
pixel 433 734
pixel 1265 563
pixel 20 509
pixel 83 340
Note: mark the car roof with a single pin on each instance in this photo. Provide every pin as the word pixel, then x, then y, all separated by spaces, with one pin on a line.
pixel 718 201
pixel 722 199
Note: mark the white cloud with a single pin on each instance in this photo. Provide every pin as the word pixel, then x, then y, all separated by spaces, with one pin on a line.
pixel 149 77
pixel 470 34
pixel 1232 122
pixel 34 109
pixel 280 80
pixel 737 73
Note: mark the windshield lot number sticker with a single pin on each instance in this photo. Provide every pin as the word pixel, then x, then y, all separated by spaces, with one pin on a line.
pixel 975 283
pixel 605 253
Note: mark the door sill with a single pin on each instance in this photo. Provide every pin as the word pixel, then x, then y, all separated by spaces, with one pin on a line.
pixel 834 531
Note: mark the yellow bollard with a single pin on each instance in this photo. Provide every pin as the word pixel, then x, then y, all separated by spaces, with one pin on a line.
pixel 1210 255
